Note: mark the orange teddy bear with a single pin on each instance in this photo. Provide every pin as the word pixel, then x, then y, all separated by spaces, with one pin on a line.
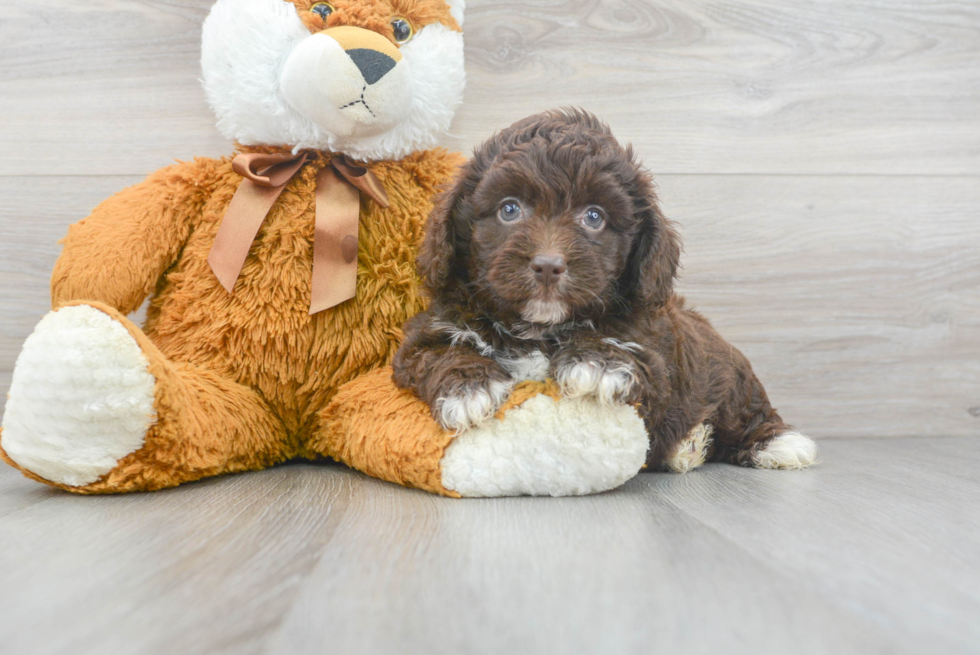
pixel 278 281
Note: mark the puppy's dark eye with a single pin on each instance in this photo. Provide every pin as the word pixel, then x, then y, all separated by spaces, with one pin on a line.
pixel 322 9
pixel 510 211
pixel 402 30
pixel 593 219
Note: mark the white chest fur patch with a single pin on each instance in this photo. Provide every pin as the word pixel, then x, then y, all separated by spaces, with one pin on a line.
pixel 81 398
pixel 547 448
pixel 530 366
pixel 545 312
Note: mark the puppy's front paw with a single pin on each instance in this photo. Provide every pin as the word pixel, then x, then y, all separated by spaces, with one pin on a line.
pixel 609 382
pixel 471 405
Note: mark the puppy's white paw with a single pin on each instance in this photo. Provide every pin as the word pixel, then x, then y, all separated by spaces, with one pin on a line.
pixel 81 397
pixel 692 451
pixel 472 407
pixel 608 384
pixel 789 450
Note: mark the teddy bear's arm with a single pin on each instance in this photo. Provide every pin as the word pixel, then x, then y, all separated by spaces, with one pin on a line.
pixel 117 255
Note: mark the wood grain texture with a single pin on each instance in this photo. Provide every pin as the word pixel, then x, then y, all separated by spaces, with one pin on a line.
pixel 104 88
pixel 209 568
pixel 34 217
pixel 873 551
pixel 752 86
pixel 857 299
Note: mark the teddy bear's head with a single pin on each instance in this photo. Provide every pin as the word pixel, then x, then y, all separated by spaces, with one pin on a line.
pixel 374 79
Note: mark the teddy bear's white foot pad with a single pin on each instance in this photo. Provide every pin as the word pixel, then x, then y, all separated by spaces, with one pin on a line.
pixel 80 400
pixel 544 448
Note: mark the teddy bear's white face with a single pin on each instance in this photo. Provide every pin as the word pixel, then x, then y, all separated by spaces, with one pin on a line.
pixel 374 79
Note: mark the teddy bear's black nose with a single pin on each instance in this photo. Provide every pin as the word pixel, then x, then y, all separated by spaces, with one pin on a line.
pixel 373 64
pixel 548 268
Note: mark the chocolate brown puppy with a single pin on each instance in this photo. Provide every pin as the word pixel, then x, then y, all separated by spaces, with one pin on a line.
pixel 549 257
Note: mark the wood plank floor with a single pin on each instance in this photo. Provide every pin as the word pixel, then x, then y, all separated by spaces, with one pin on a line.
pixel 873 551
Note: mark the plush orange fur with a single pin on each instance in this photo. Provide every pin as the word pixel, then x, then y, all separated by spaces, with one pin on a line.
pixel 243 379
pixel 387 432
pixel 527 390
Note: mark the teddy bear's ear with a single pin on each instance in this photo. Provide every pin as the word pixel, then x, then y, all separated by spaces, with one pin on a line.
pixel 457 8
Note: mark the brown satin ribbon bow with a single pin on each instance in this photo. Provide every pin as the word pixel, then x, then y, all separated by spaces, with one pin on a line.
pixel 338 188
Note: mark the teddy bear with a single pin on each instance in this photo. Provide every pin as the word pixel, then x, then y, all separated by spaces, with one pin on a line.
pixel 278 279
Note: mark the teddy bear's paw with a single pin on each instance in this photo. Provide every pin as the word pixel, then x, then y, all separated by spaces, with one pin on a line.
pixel 547 447
pixel 789 450
pixel 471 406
pixel 610 383
pixel 692 451
pixel 80 400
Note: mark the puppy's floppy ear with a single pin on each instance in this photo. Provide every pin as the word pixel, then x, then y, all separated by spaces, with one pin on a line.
pixel 652 266
pixel 437 256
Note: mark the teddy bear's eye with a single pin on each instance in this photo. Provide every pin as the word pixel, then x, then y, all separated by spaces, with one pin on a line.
pixel 322 9
pixel 402 30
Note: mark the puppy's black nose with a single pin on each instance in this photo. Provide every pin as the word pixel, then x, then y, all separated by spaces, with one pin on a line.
pixel 373 64
pixel 548 268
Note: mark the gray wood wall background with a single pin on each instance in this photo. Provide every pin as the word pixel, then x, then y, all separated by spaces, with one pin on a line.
pixel 823 160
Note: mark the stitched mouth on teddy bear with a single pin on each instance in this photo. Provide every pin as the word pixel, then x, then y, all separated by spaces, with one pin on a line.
pixel 360 103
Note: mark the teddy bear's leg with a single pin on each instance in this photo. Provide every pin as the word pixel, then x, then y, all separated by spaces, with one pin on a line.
pixel 95 407
pixel 386 432
pixel 537 444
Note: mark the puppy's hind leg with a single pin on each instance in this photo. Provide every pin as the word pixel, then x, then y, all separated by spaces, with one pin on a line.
pixel 692 451
pixel 749 432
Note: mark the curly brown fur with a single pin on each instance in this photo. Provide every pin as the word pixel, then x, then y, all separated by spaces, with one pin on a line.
pixel 557 292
